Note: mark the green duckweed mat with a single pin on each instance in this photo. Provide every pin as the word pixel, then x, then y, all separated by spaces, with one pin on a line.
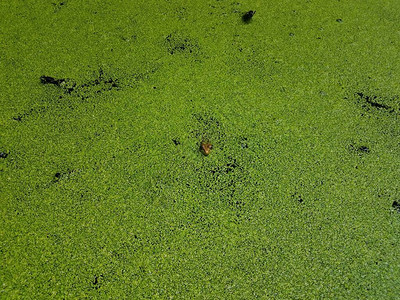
pixel 104 193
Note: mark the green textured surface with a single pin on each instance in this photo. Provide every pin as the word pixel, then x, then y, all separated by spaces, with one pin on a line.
pixel 295 201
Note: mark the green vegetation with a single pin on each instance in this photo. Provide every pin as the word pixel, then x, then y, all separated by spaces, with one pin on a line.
pixel 104 192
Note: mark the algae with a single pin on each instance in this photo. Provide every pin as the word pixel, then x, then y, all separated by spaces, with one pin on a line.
pixel 104 192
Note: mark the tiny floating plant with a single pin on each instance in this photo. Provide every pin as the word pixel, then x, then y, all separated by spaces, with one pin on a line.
pixel 205 147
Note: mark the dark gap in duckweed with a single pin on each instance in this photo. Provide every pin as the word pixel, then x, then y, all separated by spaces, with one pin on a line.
pixel 372 101
pixel 231 166
pixel 20 117
pixel 362 149
pixel 58 5
pixel 176 142
pixel 51 80
pixel 227 168
pixel 296 196
pixel 176 44
pixel 99 85
pixel 85 90
pixel 63 175
pixel 396 206
pixel 224 181
pixel 69 87
pixel 3 154
pixel 97 281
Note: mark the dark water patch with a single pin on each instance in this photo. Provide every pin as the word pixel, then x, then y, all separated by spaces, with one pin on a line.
pixel 67 85
pixel 363 149
pixel 66 88
pixel 18 117
pixel 62 175
pixel 226 181
pixel 231 166
pixel 369 102
pixel 297 197
pixel 3 154
pixel 102 83
pixel 359 149
pixel 178 44
pixel 32 111
pixel 58 5
pixel 227 168
pixel 176 141
pixel 52 80
pixel 99 85
pixel 396 206
pixel 97 281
